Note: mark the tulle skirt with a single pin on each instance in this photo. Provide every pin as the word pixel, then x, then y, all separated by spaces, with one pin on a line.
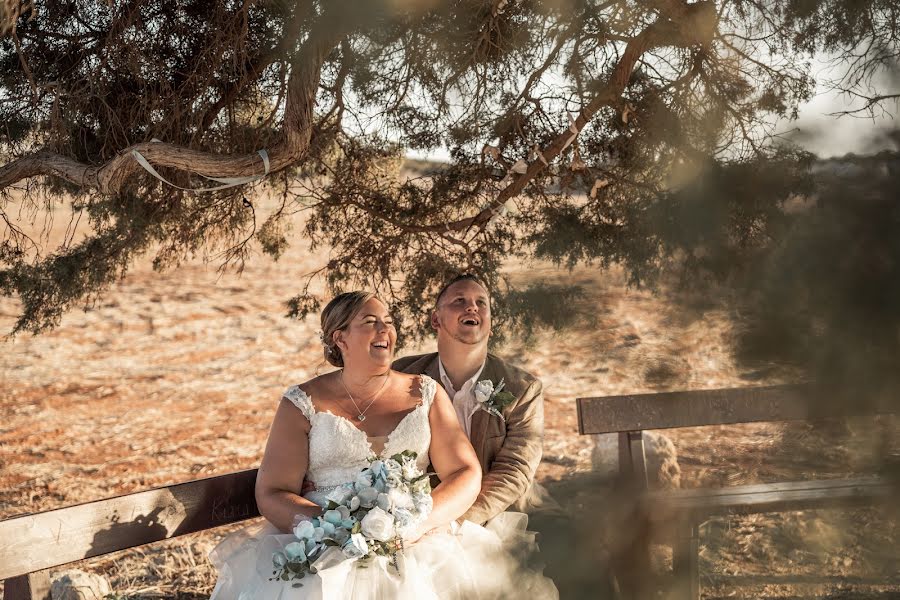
pixel 473 562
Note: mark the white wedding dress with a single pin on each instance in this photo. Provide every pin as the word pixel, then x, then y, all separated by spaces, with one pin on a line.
pixel 473 562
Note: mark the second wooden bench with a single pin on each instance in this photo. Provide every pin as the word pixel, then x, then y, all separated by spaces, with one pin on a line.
pixel 684 510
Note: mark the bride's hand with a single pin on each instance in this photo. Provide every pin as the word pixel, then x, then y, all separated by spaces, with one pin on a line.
pixel 417 534
pixel 414 535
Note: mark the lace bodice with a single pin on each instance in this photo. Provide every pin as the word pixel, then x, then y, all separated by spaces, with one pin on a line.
pixel 338 450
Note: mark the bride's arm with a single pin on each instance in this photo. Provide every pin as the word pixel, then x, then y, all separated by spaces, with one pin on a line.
pixel 454 460
pixel 283 468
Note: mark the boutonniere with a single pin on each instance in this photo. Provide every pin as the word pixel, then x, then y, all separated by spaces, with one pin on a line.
pixel 493 399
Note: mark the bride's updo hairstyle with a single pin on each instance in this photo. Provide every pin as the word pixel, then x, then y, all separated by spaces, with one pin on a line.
pixel 336 317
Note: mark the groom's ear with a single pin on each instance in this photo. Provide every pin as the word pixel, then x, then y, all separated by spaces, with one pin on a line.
pixel 435 320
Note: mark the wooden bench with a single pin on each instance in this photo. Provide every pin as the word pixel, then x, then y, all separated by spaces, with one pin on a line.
pixel 31 545
pixel 682 511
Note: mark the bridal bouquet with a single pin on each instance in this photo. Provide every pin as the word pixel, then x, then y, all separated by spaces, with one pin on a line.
pixel 365 518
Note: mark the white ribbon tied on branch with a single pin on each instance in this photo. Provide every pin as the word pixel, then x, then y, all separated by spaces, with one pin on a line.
pixel 574 129
pixel 227 182
pixel 521 166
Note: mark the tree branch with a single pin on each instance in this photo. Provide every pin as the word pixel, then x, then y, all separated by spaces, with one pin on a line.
pixel 294 142
pixel 693 25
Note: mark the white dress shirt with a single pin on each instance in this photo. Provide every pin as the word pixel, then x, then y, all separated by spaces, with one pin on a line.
pixel 464 400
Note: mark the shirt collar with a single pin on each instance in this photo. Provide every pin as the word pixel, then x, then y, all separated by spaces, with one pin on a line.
pixel 448 385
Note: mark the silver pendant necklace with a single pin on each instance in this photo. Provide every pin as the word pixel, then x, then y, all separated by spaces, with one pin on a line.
pixel 361 414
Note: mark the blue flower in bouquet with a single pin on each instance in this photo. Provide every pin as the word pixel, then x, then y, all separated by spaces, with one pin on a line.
pixel 295 552
pixel 365 478
pixel 403 520
pixel 305 530
pixel 393 473
pixel 325 530
pixel 367 497
pixel 381 475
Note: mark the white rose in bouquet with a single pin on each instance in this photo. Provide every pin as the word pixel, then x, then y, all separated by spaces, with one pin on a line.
pixel 398 498
pixel 378 525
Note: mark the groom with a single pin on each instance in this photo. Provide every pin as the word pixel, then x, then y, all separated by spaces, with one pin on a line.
pixel 509 449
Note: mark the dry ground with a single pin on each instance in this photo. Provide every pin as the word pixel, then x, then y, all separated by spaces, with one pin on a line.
pixel 175 376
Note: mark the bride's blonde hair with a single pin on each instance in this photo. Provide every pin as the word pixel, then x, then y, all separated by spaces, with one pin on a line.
pixel 336 317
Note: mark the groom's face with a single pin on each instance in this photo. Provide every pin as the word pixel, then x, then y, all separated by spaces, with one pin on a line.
pixel 463 313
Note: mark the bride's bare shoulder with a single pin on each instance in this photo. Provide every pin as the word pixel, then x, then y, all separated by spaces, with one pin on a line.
pixel 408 380
pixel 320 383
pixel 314 391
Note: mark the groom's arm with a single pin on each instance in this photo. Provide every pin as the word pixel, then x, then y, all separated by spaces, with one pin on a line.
pixel 513 469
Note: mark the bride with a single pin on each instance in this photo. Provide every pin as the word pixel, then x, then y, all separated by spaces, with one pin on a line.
pixel 326 431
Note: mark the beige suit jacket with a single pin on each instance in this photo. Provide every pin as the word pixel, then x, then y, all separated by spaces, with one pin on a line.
pixel 509 449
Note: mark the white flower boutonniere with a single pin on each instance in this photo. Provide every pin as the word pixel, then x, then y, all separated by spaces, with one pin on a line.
pixel 493 399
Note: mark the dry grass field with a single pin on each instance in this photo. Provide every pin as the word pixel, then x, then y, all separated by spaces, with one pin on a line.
pixel 175 376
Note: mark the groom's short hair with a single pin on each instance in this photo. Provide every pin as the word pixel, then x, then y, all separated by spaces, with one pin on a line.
pixel 457 279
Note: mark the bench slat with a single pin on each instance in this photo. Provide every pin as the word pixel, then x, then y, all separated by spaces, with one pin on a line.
pixel 774 497
pixel 753 580
pixel 715 407
pixel 57 537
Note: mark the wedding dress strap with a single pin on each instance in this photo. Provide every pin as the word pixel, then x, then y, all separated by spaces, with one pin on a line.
pixel 301 400
pixel 428 388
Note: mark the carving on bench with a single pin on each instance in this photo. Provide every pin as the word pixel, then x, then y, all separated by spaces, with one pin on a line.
pixel 224 511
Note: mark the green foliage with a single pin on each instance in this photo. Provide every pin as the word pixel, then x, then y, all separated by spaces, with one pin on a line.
pixel 672 169
pixel 541 305
pixel 830 285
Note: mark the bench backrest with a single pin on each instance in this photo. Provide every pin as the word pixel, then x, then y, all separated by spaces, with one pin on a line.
pixel 39 541
pixel 631 414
